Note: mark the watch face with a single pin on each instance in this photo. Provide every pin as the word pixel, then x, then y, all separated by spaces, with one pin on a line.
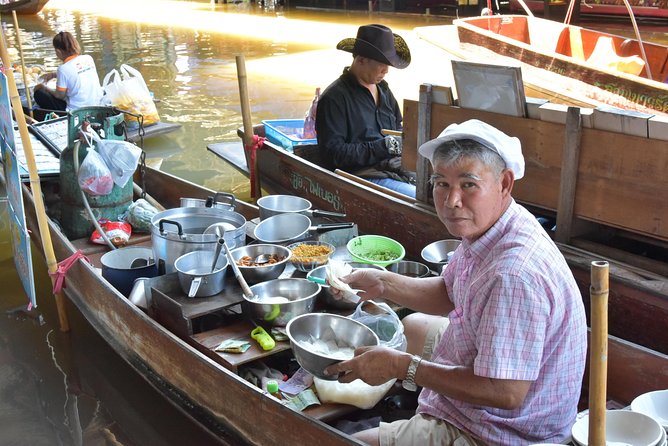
pixel 410 386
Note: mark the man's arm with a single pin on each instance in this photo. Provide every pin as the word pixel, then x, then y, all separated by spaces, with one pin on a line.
pixel 377 365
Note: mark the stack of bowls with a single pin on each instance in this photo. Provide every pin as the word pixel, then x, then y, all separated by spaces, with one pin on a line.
pixel 622 427
pixel 438 254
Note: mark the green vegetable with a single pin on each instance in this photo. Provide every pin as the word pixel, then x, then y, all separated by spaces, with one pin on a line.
pixel 381 255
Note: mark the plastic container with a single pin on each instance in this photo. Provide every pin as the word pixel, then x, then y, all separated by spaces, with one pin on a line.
pixel 286 133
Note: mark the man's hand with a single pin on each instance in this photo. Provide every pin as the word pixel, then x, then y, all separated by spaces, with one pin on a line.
pixel 393 144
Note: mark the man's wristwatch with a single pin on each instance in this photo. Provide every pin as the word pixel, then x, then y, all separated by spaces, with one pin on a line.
pixel 409 382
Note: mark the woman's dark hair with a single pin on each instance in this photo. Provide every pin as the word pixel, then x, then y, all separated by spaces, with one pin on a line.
pixel 65 42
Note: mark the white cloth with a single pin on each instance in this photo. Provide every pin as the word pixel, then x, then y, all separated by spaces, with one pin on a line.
pixel 78 77
pixel 509 148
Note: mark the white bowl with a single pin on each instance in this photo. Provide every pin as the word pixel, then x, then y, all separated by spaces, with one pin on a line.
pixel 624 427
pixel 654 404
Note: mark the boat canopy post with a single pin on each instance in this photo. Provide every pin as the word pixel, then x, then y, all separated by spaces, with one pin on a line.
pixel 40 210
pixel 23 64
pixel 598 352
pixel 640 42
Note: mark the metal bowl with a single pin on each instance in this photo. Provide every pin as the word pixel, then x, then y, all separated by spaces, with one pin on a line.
pixel 257 274
pixel 325 326
pixel 301 294
pixel 438 254
pixel 409 268
pixel 330 301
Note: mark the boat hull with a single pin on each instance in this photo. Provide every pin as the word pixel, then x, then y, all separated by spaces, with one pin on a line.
pixel 625 91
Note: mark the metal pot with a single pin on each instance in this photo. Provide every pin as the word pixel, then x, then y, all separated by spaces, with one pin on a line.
pixel 211 202
pixel 271 205
pixel 195 275
pixel 122 266
pixel 177 231
pixel 283 228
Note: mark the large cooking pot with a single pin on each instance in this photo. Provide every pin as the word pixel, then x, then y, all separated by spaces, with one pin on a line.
pixel 123 265
pixel 271 205
pixel 227 202
pixel 177 231
pixel 283 228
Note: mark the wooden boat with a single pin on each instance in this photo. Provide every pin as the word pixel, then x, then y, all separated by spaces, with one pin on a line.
pixel 23 6
pixel 639 285
pixel 569 51
pixel 606 8
pixel 190 376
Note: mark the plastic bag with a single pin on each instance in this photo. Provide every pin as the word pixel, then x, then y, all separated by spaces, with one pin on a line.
pixel 127 91
pixel 118 233
pixel 121 157
pixel 139 215
pixel 356 393
pixel 94 175
pixel 383 321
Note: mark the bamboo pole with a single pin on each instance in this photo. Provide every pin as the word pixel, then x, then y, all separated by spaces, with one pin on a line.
pixel 45 234
pixel 598 352
pixel 23 65
pixel 256 190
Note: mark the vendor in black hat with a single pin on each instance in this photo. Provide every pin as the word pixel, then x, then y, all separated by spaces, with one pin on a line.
pixel 354 109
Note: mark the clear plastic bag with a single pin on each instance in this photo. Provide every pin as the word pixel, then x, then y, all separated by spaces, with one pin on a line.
pixel 383 321
pixel 94 176
pixel 127 91
pixel 120 156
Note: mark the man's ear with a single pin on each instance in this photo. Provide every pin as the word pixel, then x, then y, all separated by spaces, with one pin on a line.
pixel 507 181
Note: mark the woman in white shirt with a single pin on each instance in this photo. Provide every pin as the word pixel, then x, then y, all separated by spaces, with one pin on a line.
pixel 77 82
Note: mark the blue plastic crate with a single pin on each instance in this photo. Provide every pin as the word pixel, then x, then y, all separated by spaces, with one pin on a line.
pixel 286 133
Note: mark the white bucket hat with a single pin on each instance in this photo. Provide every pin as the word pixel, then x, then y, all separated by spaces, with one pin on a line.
pixel 509 148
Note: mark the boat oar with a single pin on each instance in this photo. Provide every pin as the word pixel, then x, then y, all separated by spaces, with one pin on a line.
pixel 256 190
pixel 598 352
pixel 45 234
pixel 23 65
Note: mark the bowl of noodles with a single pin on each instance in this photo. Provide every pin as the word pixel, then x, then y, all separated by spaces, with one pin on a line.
pixel 308 255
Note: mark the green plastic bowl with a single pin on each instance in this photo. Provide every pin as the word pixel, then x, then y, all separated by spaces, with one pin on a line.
pixel 370 248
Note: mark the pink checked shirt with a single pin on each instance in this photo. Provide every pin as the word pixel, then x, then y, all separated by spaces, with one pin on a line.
pixel 518 315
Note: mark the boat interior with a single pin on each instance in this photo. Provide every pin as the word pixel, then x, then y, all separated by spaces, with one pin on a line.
pixel 606 51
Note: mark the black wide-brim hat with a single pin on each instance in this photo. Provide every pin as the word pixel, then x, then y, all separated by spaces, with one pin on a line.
pixel 377 42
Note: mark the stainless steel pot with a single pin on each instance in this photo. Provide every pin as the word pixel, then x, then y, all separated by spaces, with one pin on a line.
pixel 177 231
pixel 271 205
pixel 195 275
pixel 283 228
pixel 211 202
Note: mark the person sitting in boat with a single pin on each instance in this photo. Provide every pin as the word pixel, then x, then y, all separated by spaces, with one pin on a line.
pixel 77 81
pixel 505 366
pixel 354 109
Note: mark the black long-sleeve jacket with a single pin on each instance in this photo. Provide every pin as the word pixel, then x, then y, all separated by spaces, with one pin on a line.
pixel 348 123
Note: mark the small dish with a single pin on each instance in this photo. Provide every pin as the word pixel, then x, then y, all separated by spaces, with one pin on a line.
pixel 654 404
pixel 622 427
pixel 307 256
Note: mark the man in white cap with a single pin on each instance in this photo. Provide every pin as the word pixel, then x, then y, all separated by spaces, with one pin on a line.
pixel 354 109
pixel 505 366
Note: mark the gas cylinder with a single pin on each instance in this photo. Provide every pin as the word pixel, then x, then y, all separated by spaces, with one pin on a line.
pixel 74 219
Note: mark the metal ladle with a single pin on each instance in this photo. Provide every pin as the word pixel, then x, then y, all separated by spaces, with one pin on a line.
pixel 261 259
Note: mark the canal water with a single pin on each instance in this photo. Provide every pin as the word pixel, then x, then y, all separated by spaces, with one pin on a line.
pixel 58 389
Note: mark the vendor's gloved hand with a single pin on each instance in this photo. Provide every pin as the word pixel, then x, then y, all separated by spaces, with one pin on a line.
pixel 393 144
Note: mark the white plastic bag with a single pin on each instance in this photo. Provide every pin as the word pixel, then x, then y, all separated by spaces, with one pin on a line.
pixel 120 156
pixel 356 393
pixel 94 176
pixel 127 91
pixel 383 321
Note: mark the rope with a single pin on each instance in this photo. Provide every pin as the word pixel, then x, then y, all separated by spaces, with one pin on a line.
pixel 257 144
pixel 63 267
